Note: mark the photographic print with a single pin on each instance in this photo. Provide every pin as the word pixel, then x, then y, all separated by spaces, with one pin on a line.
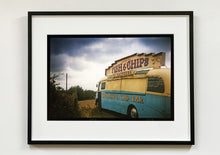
pixel 110 77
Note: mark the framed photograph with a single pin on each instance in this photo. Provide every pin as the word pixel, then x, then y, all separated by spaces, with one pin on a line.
pixel 110 78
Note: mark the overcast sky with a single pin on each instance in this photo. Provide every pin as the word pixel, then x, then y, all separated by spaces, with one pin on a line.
pixel 85 59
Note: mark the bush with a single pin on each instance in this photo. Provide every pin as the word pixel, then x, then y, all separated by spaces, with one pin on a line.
pixel 83 94
pixel 62 105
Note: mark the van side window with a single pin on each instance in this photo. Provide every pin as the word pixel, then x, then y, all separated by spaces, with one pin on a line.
pixel 155 85
pixel 103 85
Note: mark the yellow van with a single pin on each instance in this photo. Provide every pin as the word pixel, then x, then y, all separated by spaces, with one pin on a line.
pixel 144 93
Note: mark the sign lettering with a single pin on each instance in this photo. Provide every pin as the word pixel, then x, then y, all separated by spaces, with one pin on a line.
pixel 128 65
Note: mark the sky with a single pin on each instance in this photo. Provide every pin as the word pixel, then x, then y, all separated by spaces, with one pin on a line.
pixel 85 59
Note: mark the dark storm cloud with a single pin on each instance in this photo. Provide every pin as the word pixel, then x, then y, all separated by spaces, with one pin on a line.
pixel 60 48
pixel 113 46
pixel 57 63
pixel 108 47
pixel 159 44
pixel 70 46
pixel 93 49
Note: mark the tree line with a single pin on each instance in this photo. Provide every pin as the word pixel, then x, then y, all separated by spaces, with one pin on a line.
pixel 63 104
pixel 82 94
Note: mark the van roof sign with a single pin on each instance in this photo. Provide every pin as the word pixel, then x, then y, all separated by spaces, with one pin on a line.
pixel 127 65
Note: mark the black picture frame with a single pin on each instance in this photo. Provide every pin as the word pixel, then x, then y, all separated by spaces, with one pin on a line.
pixel 101 13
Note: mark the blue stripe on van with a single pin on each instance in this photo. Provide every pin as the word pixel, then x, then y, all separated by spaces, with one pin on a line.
pixel 147 105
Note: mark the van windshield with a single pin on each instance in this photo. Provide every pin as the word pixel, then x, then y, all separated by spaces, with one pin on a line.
pixel 103 85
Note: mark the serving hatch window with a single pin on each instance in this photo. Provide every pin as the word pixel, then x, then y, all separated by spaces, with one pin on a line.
pixel 103 85
pixel 155 85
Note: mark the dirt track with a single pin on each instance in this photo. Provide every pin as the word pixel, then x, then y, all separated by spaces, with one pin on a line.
pixel 87 103
pixel 88 109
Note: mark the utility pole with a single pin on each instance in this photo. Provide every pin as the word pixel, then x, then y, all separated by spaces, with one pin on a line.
pixel 66 80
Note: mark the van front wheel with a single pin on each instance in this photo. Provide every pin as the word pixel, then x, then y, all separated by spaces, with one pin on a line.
pixel 132 112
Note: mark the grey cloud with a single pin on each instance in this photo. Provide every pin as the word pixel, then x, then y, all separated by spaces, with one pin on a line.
pixel 70 46
pixel 161 44
pixel 57 63
pixel 93 49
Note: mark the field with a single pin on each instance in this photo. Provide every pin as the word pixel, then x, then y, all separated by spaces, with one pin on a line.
pixel 88 109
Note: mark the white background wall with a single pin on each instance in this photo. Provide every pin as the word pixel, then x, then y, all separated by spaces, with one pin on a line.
pixel 13 76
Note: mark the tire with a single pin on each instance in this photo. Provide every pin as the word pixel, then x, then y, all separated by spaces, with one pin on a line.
pixel 132 112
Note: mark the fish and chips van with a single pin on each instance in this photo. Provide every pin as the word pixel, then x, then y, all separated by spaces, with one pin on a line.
pixel 138 86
